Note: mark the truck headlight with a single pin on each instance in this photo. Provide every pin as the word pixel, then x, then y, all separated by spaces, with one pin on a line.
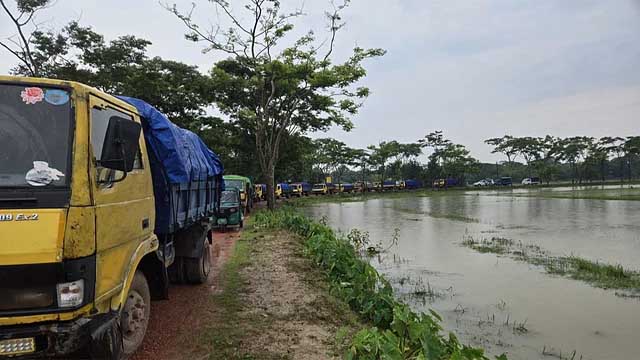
pixel 70 294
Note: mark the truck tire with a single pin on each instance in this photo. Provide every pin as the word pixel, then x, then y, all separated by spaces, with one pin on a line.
pixel 134 316
pixel 197 270
pixel 176 271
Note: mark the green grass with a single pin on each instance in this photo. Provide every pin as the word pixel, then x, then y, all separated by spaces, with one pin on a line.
pixel 602 275
pixel 597 274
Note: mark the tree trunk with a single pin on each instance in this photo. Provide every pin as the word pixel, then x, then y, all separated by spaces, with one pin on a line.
pixel 271 194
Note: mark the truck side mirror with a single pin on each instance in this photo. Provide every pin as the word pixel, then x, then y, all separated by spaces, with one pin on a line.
pixel 121 144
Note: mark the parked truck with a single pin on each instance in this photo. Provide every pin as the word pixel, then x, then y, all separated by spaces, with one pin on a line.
pixel 300 189
pixel 102 201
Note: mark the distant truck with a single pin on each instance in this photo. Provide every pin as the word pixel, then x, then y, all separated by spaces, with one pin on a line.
pixel 410 184
pixel 389 185
pixel 323 189
pixel 283 190
pixel 300 189
pixel 102 201
pixel 345 188
pixel 259 193
pixel 444 183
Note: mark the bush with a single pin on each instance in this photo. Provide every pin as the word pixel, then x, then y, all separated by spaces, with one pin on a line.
pixel 397 331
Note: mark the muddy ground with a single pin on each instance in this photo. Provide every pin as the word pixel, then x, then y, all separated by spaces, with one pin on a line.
pixel 265 300
pixel 184 308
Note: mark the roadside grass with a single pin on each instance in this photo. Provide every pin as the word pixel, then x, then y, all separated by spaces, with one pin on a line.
pixel 235 327
pixel 598 274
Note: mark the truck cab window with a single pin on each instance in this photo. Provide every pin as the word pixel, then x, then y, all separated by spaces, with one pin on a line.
pixel 99 122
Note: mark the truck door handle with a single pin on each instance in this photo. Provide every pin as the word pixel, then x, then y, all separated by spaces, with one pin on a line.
pixel 145 223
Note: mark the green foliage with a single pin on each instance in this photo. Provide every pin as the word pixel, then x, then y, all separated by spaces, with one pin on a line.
pixel 397 331
pixel 277 89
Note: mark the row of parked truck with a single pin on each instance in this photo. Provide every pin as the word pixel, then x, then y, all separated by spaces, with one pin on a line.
pixel 299 189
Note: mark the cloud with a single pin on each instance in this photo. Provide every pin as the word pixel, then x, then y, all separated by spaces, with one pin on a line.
pixel 471 68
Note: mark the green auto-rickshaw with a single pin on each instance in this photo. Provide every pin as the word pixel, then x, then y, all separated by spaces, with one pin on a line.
pixel 246 188
pixel 230 213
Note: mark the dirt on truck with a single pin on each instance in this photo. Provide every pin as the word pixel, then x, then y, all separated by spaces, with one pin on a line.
pixel 103 201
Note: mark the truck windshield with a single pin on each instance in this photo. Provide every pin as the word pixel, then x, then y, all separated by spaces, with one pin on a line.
pixel 34 136
pixel 238 184
pixel 229 196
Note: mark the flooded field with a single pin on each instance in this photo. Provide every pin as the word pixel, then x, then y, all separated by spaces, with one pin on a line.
pixel 496 301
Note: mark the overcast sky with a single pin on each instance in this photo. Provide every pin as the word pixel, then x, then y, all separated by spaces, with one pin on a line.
pixel 474 69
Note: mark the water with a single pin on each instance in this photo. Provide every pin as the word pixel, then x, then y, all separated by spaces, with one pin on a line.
pixel 497 302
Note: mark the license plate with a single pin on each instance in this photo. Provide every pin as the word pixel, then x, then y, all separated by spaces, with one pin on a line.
pixel 222 221
pixel 17 346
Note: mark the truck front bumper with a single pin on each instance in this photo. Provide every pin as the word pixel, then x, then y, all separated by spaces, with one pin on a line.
pixel 94 337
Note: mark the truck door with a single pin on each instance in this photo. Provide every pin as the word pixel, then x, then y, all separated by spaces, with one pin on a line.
pixel 124 209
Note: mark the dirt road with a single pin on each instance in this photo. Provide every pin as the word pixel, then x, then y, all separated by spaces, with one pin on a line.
pixel 265 300
pixel 170 319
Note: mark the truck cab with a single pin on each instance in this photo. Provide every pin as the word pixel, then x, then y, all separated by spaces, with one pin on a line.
pixel 79 258
pixel 320 189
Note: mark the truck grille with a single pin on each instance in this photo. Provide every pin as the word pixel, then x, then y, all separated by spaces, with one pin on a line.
pixel 25 287
pixel 31 289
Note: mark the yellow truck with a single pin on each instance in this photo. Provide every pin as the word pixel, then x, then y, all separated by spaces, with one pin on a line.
pixel 94 218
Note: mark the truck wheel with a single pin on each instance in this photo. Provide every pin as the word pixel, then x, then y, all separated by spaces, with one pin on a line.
pixel 134 317
pixel 176 271
pixel 241 224
pixel 197 269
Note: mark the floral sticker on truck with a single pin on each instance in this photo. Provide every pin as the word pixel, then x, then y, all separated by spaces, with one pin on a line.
pixel 32 95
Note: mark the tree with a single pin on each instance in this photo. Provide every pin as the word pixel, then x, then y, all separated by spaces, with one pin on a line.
pixel 572 150
pixel 332 156
pixel 631 149
pixel 20 45
pixel 279 89
pixel 122 66
pixel 547 164
pixel 362 161
pixel 504 145
pixel 457 162
pixel 615 147
pixel 529 148
pixel 381 155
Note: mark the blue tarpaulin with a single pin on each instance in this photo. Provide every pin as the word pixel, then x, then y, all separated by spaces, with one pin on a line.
pixel 186 174
pixel 184 156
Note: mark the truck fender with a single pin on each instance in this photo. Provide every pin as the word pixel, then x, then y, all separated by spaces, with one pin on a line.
pixel 147 246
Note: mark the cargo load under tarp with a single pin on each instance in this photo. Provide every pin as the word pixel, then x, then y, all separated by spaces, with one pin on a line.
pixel 187 175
